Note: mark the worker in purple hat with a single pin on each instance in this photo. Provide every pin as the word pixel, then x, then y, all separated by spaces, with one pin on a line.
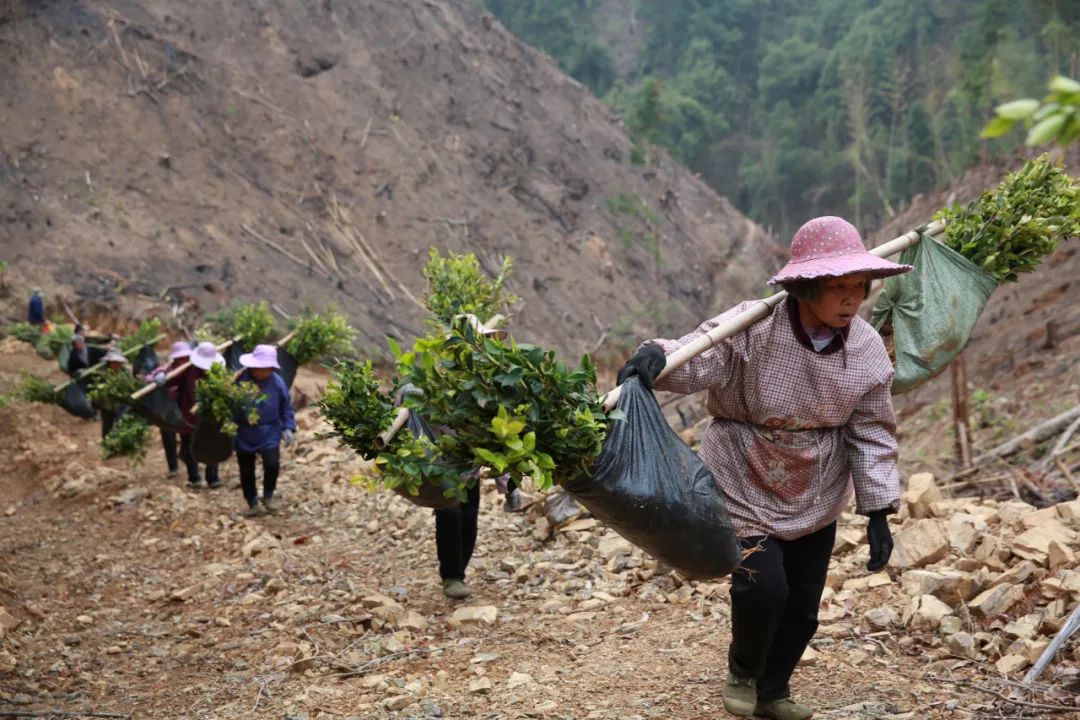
pixel 181 388
pixel 802 420
pixel 276 424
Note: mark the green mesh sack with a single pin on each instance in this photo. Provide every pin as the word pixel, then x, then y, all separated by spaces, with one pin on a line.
pixel 930 311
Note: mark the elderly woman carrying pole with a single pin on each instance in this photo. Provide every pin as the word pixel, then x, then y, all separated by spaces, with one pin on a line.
pixel 802 419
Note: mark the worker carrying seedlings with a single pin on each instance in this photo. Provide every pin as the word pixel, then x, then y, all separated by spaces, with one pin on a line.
pixel 276 424
pixel 802 417
pixel 179 354
pixel 182 389
pixel 114 362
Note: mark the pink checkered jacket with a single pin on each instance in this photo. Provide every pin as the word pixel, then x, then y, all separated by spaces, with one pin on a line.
pixel 794 431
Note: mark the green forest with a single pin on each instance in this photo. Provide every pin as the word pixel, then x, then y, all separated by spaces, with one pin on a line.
pixel 796 108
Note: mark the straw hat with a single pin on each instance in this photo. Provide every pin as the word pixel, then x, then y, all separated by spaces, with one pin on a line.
pixel 263 356
pixel 830 246
pixel 206 355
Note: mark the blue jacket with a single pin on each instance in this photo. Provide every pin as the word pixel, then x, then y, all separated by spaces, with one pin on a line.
pixel 275 416
pixel 36 315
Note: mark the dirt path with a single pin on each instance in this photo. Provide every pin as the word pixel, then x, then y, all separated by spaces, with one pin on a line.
pixel 135 594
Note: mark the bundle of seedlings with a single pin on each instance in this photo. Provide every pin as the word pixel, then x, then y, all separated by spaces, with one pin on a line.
pixel 316 336
pixel 128 438
pixel 1009 230
pixel 457 285
pixel 514 408
pixel 222 399
pixel 36 389
pixel 360 411
pixel 112 390
pixel 146 334
pixel 252 324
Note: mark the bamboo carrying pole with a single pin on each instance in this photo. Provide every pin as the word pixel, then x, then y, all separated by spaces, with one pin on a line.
pixel 86 372
pixel 388 434
pixel 762 310
pixel 147 389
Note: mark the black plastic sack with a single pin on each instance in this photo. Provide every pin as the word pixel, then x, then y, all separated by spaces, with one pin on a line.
pixel 209 445
pixel 145 362
pixel 95 355
pixel 428 495
pixel 73 399
pixel 160 410
pixel 288 367
pixel 649 487
pixel 232 357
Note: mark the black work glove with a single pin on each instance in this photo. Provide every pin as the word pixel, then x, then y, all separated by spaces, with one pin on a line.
pixel 880 537
pixel 646 365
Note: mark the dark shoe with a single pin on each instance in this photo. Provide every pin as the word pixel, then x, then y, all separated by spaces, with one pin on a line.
pixel 740 695
pixel 456 589
pixel 195 484
pixel 270 505
pixel 253 510
pixel 174 473
pixel 783 709
pixel 214 484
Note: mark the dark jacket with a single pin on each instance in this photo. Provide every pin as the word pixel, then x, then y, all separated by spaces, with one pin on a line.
pixel 182 390
pixel 36 313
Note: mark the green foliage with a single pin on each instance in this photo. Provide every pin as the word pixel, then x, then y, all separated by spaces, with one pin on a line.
pixel 27 332
pixel 457 285
pixel 514 408
pixel 356 407
pixel 207 333
pixel 1010 229
pixel 128 438
pixel 252 323
pixel 359 411
pixel 147 332
pixel 1055 120
pixel 222 399
pixel 111 390
pixel 36 389
pixel 317 336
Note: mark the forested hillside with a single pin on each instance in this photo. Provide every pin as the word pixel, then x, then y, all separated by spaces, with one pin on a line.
pixel 799 107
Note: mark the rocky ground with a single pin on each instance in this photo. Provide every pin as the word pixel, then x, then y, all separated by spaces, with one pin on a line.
pixel 123 591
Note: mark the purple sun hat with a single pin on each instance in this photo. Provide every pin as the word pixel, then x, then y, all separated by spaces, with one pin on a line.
pixel 263 356
pixel 179 349
pixel 830 246
pixel 205 355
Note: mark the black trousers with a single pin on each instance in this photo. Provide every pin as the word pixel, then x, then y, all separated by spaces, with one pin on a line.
pixel 271 465
pixel 455 535
pixel 168 444
pixel 168 441
pixel 774 607
pixel 108 419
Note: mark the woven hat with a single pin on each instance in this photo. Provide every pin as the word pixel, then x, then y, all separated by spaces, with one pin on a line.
pixel 830 246
pixel 263 356
pixel 206 355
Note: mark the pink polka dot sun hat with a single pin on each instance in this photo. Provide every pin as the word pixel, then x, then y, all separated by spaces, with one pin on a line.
pixel 830 246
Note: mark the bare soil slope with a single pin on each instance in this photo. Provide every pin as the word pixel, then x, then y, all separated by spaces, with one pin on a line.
pixel 309 152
